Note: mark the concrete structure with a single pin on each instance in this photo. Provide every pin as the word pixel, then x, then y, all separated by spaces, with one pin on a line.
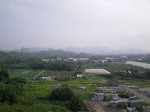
pixel 120 88
pixel 104 90
pixel 100 96
pixel 96 71
pixel 144 90
pixel 130 102
pixel 131 109
pixel 48 78
pixel 82 87
pixel 24 50
pixel 133 87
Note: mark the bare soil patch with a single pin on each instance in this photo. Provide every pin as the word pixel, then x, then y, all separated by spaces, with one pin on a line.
pixel 80 91
pixel 100 106
pixel 109 82
pixel 54 85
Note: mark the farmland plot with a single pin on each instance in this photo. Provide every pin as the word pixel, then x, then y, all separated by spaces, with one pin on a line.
pixel 31 74
pixel 57 74
pixel 15 72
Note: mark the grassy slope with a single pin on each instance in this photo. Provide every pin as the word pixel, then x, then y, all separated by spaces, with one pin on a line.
pixel 15 72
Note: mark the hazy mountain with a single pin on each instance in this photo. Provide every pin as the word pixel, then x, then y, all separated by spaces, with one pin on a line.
pixel 105 50
pixel 91 50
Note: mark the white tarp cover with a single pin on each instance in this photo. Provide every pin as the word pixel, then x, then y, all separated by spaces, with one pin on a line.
pixel 139 64
pixel 96 71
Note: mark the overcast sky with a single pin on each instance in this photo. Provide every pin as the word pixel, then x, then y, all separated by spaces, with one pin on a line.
pixel 77 23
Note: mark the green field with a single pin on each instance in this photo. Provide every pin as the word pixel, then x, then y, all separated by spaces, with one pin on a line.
pixel 138 82
pixel 15 72
pixel 57 74
pixel 31 74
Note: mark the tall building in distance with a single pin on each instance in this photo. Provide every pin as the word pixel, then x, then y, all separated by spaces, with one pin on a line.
pixel 24 50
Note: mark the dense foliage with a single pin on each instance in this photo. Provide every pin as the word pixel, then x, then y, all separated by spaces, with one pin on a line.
pixel 124 95
pixel 16 81
pixel 65 94
pixel 8 94
pixel 77 104
pixel 61 94
pixel 3 75
pixel 121 105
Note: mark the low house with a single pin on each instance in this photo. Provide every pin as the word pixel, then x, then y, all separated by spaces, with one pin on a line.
pixel 45 60
pixel 104 61
pixel 71 59
pixel 82 87
pixel 82 59
pixel 59 59
pixel 79 75
pixel 48 78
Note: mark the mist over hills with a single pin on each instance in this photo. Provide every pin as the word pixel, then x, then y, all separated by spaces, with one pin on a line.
pixel 105 50
pixel 90 50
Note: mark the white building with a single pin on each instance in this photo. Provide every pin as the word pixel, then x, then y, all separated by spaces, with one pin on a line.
pixel 79 75
pixel 48 78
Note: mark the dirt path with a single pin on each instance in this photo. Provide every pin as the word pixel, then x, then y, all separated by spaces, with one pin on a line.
pixel 80 91
pixel 54 85
pixel 140 95
pixel 98 106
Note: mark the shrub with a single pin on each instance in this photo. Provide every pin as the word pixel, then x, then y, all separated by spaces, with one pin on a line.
pixel 105 98
pixel 61 94
pixel 139 108
pixel 124 95
pixel 8 95
pixel 16 80
pixel 77 104
pixel 3 75
pixel 121 105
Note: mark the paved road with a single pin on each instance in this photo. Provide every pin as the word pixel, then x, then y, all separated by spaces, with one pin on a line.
pixel 140 95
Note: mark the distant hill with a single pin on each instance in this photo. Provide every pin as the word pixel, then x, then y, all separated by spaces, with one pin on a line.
pixel 47 53
pixel 104 50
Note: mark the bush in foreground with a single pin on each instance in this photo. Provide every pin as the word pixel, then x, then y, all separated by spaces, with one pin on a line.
pixel 61 94
pixel 77 104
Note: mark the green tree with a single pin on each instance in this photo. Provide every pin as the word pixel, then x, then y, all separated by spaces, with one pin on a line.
pixel 16 80
pixel 61 94
pixel 77 104
pixel 121 105
pixel 3 75
pixel 8 95
pixel 140 108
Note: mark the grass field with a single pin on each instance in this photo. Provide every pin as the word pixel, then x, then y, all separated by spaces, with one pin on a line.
pixel 15 72
pixel 31 74
pixel 138 82
pixel 88 79
pixel 58 74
